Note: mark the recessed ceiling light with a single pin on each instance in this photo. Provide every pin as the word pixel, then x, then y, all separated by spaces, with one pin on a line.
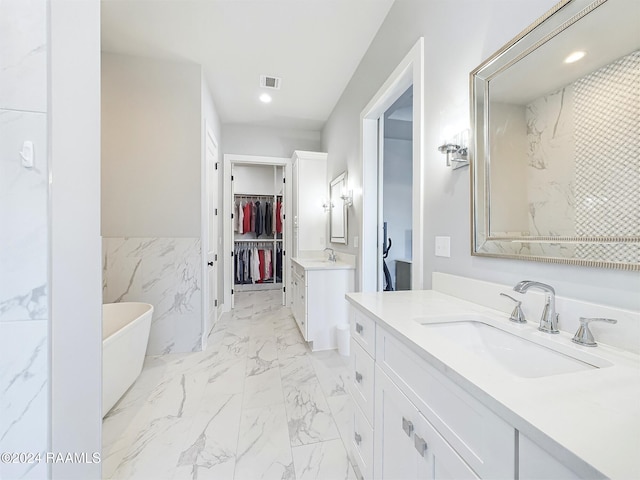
pixel 265 98
pixel 574 57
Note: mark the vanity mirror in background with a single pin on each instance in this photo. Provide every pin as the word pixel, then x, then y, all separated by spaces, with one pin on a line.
pixel 555 116
pixel 338 214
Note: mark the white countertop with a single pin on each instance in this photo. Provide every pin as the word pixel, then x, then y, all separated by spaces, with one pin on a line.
pixel 321 264
pixel 591 416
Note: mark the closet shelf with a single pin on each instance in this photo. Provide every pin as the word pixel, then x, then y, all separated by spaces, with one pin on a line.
pixel 251 195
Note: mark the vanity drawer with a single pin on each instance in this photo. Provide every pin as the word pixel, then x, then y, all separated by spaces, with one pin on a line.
pixel 361 443
pixel 363 330
pixel 299 271
pixel 362 380
pixel 481 438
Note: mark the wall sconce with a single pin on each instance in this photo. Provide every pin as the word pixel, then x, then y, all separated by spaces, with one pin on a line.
pixel 326 204
pixel 457 151
pixel 347 198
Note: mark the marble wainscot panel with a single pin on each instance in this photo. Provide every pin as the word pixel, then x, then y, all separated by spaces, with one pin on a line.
pixel 23 55
pixel 165 272
pixel 23 236
pixel 23 215
pixel 23 395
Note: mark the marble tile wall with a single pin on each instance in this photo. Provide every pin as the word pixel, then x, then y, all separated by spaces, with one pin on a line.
pixel 607 106
pixel 165 272
pixel 584 162
pixel 551 170
pixel 23 235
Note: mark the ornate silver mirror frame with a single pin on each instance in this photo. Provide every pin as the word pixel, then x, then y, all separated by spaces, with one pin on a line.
pixel 555 168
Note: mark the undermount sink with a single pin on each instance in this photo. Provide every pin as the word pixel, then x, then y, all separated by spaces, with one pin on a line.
pixel 510 352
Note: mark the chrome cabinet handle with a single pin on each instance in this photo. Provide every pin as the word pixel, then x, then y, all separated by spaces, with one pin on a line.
pixel 359 328
pixel 358 377
pixel 357 437
pixel 407 426
pixel 420 444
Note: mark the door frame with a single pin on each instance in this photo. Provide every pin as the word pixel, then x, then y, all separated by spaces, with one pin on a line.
pixel 409 72
pixel 206 218
pixel 230 160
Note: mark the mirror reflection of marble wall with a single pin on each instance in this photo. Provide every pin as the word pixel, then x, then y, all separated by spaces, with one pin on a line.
pixel 580 174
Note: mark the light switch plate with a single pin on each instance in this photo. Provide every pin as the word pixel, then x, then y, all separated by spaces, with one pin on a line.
pixel 443 246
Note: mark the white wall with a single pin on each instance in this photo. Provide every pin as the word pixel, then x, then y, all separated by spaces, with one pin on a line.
pixel 449 57
pixel 268 142
pixel 397 199
pixel 255 180
pixel 151 148
pixel 509 169
pixel 74 222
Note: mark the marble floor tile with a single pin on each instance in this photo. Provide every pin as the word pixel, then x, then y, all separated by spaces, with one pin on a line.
pixel 263 389
pixel 322 460
pixel 309 416
pixel 297 370
pixel 210 448
pixel 257 404
pixel 331 370
pixel 264 451
pixel 342 411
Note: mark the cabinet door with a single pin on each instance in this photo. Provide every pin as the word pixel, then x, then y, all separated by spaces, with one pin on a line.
pixel 395 454
pixel 406 443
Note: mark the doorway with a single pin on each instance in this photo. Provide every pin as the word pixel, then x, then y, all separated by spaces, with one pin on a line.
pixel 255 181
pixel 406 81
pixel 395 173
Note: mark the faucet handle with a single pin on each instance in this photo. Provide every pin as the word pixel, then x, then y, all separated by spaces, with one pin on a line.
pixel 584 336
pixel 517 315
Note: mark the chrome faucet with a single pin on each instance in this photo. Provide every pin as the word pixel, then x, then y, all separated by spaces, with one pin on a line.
pixel 332 255
pixel 549 318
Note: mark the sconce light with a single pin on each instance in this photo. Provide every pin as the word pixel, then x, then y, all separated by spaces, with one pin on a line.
pixel 326 204
pixel 347 198
pixel 458 152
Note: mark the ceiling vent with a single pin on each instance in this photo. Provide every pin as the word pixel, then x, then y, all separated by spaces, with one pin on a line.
pixel 267 81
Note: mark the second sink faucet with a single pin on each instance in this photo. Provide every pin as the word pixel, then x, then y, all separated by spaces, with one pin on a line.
pixel 332 255
pixel 549 318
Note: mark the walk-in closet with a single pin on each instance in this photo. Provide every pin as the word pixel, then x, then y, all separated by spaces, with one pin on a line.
pixel 258 225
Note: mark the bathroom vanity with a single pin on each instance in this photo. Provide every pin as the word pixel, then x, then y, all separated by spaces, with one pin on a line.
pixel 318 304
pixel 447 388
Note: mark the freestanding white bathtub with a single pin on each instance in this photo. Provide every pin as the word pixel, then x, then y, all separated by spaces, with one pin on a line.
pixel 125 333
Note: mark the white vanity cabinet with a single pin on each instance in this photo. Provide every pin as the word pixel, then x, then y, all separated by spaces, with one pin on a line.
pixel 318 302
pixel 423 425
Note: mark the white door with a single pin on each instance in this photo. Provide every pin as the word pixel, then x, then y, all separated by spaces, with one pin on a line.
pixel 211 282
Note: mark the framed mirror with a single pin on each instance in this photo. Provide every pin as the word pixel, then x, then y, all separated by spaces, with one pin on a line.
pixel 338 213
pixel 555 116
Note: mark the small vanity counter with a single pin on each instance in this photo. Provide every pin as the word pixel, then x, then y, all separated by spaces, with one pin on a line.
pixel 587 421
pixel 321 264
pixel 318 287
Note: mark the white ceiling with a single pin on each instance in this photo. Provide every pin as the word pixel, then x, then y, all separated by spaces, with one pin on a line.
pixel 313 45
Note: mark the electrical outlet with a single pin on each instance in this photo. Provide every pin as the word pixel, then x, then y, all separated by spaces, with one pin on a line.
pixel 443 246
